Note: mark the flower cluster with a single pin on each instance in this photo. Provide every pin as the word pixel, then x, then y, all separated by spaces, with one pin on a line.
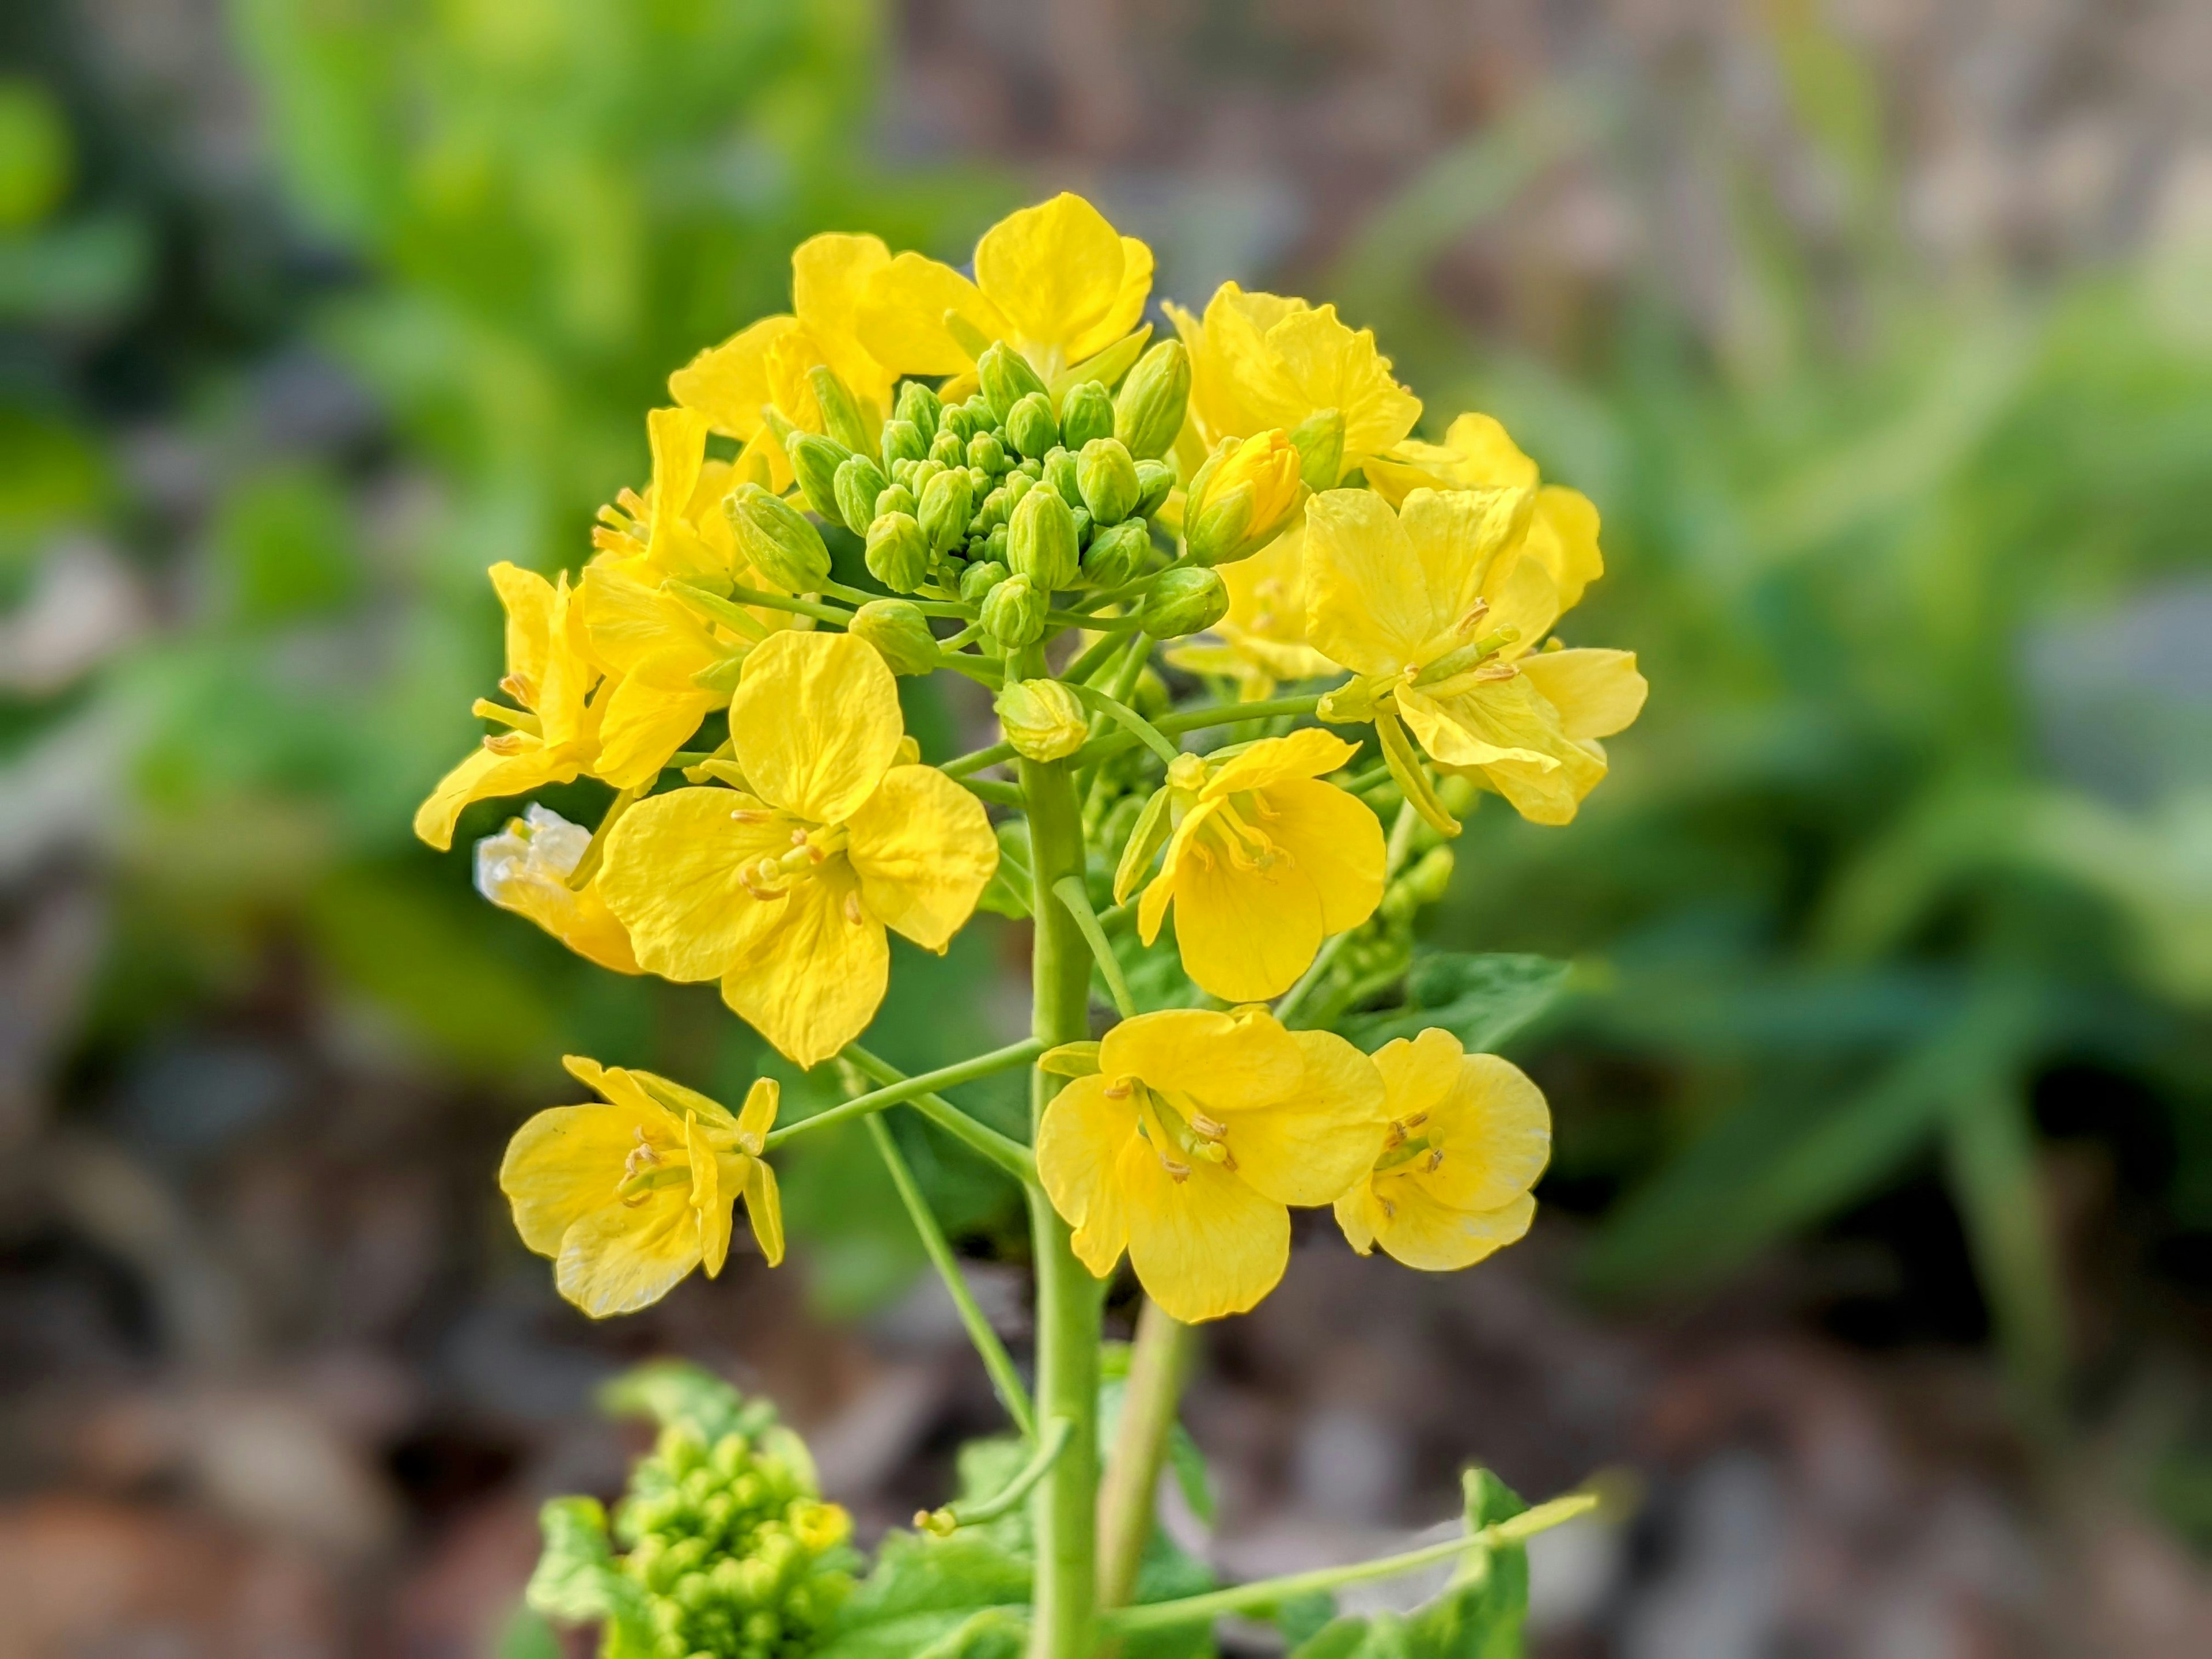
pixel 1000 473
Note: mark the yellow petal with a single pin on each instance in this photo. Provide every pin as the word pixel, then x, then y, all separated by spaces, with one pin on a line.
pixel 829 279
pixel 1418 1072
pixel 1329 366
pixel 1496 1134
pixel 525 869
pixel 1510 734
pixel 710 1209
pixel 570 673
pixel 486 776
pixel 1437 1238
pixel 1368 603
pixel 816 723
pixel 729 383
pixel 1483 452
pixel 672 875
pixel 1597 693
pixel 566 1163
pixel 1564 534
pixel 900 317
pixel 627 621
pixel 757 1115
pixel 1459 536
pixel 813 984
pixel 527 599
pixel 1215 1057
pixel 1079 1144
pixel 1310 1147
pixel 619 1260
pixel 643 725
pixel 1358 1215
pixel 1159 893
pixel 1246 934
pixel 1128 307
pixel 923 849
pixel 1304 754
pixel 1204 1247
pixel 1056 271
pixel 765 1209
pixel 679 440
pixel 1336 840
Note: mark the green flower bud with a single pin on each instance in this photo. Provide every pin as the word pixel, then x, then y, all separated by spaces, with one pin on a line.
pixel 777 539
pixel 816 459
pixel 1006 378
pixel 1032 469
pixel 1155 479
pixel 944 510
pixel 902 473
pixel 896 499
pixel 980 578
pixel 984 450
pixel 960 420
pixel 1017 485
pixel 1116 553
pixel 1185 601
pixel 1014 611
pixel 1030 426
pixel 1244 497
pixel 898 553
pixel 918 405
pixel 998 545
pixel 1319 440
pixel 859 481
pixel 1062 472
pixel 1149 411
pixel 840 415
pixel 923 471
pixel 900 633
pixel 1086 412
pixel 993 510
pixel 1082 517
pixel 902 441
pixel 1042 719
pixel 980 482
pixel 1108 477
pixel 949 449
pixel 1040 541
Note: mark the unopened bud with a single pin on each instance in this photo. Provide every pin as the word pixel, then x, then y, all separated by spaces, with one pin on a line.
pixel 1042 719
pixel 777 539
pixel 1244 497
pixel 1148 412
pixel 944 510
pixel 1014 612
pixel 896 499
pixel 1319 440
pixel 859 482
pixel 902 441
pixel 917 404
pixel 1006 378
pixel 840 415
pixel 948 449
pixel 1116 553
pixel 1108 478
pixel 1064 473
pixel 1030 427
pixel 1086 412
pixel 1155 480
pixel 900 633
pixel 985 451
pixel 980 578
pixel 1040 541
pixel 1184 601
pixel 898 553
pixel 816 459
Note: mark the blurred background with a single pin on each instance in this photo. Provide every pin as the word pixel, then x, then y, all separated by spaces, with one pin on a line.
pixel 1873 1276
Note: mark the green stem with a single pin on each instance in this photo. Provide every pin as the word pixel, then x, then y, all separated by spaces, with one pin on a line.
pixel 1128 718
pixel 996 1360
pixel 943 1521
pixel 983 671
pixel 1401 842
pixel 858 596
pixel 1064 1512
pixel 919 1092
pixel 595 850
pixel 1272 1592
pixel 1069 890
pixel 1193 719
pixel 1002 794
pixel 1157 1366
pixel 732 609
pixel 977 760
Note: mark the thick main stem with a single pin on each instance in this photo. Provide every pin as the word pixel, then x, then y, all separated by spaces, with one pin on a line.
pixel 1158 1364
pixel 1064 1509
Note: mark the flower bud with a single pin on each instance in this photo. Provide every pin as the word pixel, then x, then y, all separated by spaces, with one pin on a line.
pixel 1319 440
pixel 1155 479
pixel 1081 515
pixel 897 498
pixel 1006 378
pixel 944 510
pixel 996 545
pixel 1184 601
pixel 1040 541
pixel 1086 412
pixel 1242 498
pixel 1148 412
pixel 898 553
pixel 1108 478
pixel 1014 611
pixel 816 459
pixel 840 415
pixel 900 633
pixel 1042 719
pixel 1064 473
pixel 1030 426
pixel 859 482
pixel 949 449
pixel 960 420
pixel 918 404
pixel 902 441
pixel 984 450
pixel 1116 553
pixel 980 578
pixel 777 539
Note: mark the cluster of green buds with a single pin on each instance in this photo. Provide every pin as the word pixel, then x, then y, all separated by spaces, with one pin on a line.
pixel 1002 500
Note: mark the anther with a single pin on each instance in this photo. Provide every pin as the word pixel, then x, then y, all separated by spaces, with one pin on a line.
pixel 1498 668
pixel 1120 1089
pixel 1472 620
pixel 1209 1128
pixel 798 838
pixel 1435 1158
pixel 852 908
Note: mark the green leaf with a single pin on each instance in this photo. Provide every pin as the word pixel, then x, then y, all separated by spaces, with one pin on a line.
pixel 1480 999
pixel 577 1581
pixel 929 1590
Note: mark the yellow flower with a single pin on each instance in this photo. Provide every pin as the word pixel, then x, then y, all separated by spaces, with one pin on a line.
pixel 782 889
pixel 1197 1131
pixel 1477 454
pixel 628 1196
pixel 1392 596
pixel 1055 281
pixel 525 868
pixel 1242 498
pixel 677 527
pixel 1263 359
pixel 767 363
pixel 1469 1134
pixel 1262 639
pixel 1264 862
pixel 554 737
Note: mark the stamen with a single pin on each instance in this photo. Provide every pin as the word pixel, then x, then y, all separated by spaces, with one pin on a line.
pixel 1176 1172
pixel 1472 620
pixel 1208 1128
pixel 743 815
pixel 506 743
pixel 1120 1089
pixel 1496 670
pixel 516 687
pixel 798 838
pixel 1435 1158
pixel 853 909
